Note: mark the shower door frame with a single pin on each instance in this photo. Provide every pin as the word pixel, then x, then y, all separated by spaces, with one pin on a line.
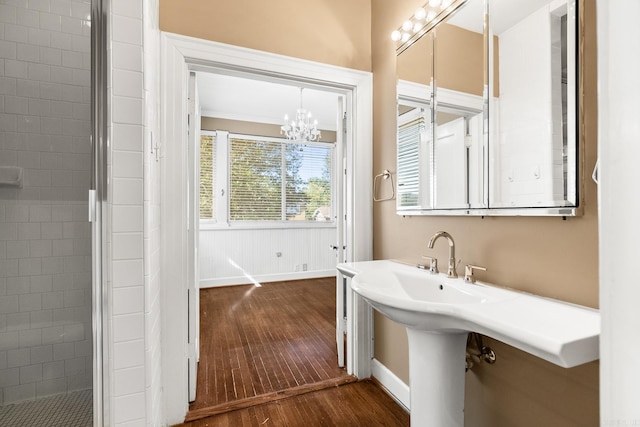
pixel 97 209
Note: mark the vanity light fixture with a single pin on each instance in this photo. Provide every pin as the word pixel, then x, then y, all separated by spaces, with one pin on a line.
pixel 301 128
pixel 423 20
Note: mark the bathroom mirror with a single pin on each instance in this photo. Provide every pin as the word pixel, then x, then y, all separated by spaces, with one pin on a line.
pixel 415 156
pixel 415 131
pixel 534 104
pixel 459 84
pixel 503 115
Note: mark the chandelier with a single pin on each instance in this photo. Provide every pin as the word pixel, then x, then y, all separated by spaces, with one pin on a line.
pixel 301 128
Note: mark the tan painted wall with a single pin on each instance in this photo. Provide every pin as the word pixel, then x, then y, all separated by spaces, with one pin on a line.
pixel 416 63
pixel 545 256
pixel 459 55
pixel 459 59
pixel 252 128
pixel 335 32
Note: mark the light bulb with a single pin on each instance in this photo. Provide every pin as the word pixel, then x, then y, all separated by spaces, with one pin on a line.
pixel 420 14
pixel 405 37
pixel 407 25
pixel 445 4
pixel 417 27
pixel 430 16
pixel 396 35
pixel 434 3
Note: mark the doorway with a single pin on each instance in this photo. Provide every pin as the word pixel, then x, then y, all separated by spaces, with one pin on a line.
pixel 181 55
pixel 256 188
pixel 265 206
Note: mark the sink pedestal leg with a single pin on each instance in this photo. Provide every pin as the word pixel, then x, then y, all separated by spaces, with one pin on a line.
pixel 436 376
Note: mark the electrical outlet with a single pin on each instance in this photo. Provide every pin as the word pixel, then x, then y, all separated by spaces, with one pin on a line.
pixel 304 267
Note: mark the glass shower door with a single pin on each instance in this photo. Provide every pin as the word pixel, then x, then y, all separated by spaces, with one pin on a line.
pixel 46 339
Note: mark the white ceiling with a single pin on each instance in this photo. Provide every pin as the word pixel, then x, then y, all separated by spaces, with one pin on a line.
pixel 503 14
pixel 238 98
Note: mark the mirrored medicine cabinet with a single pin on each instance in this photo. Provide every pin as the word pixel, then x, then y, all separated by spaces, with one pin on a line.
pixel 488 111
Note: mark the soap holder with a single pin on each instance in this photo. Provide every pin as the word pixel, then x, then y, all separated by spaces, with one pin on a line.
pixel 10 176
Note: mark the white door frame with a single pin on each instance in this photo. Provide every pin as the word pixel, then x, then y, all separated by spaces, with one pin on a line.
pixel 179 54
pixel 193 219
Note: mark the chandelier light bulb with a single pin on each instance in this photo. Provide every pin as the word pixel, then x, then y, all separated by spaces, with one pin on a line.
pixel 417 27
pixel 445 4
pixel 405 37
pixel 430 16
pixel 434 3
pixel 420 14
pixel 407 25
pixel 396 35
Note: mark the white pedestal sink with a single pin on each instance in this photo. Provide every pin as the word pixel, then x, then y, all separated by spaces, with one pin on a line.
pixel 436 372
pixel 438 312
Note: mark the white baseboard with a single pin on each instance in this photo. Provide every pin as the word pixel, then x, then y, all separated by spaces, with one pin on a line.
pixel 264 278
pixel 394 385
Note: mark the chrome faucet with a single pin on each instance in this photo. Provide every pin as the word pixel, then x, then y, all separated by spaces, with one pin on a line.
pixel 451 270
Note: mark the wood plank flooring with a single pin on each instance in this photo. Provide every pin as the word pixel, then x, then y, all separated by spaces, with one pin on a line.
pixel 268 357
pixel 259 341
pixel 353 405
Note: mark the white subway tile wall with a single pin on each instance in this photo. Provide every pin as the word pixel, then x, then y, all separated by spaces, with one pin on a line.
pixel 45 250
pixel 135 197
pixel 45 259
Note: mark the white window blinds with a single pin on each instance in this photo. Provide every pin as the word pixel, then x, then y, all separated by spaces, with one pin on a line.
pixel 410 135
pixel 207 176
pixel 255 180
pixel 271 180
pixel 309 174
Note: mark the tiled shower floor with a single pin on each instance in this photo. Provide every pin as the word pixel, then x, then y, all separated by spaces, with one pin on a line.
pixel 64 410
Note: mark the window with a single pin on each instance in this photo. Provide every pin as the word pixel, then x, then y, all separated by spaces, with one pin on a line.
pixel 268 179
pixel 412 155
pixel 207 172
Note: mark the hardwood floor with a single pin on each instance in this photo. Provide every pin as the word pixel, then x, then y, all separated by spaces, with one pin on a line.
pixel 256 341
pixel 353 405
pixel 268 357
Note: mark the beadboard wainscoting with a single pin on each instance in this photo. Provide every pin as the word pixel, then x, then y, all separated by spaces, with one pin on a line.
pixel 237 256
